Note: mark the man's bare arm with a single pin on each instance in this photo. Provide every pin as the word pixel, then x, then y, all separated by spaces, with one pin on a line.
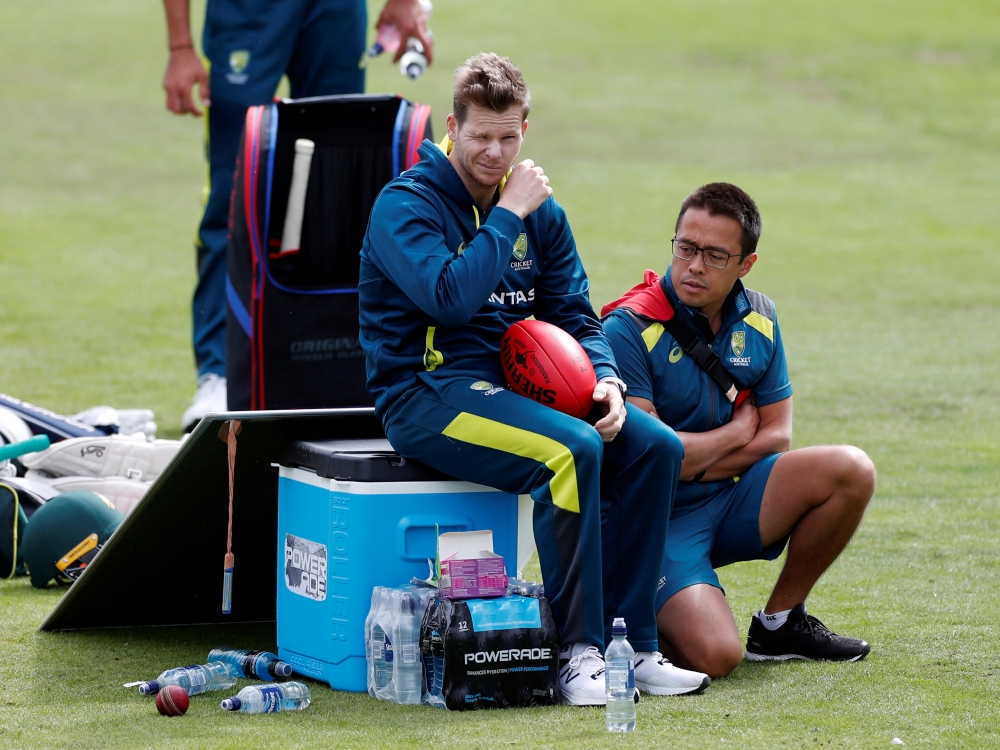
pixel 184 69
pixel 704 449
pixel 774 435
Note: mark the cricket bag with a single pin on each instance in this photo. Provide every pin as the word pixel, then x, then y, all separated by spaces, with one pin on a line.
pixel 292 318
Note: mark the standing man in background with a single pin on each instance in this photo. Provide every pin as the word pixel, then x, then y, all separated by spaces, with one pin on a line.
pixel 249 45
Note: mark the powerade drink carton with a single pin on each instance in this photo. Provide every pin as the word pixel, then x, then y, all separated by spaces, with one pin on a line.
pixel 491 653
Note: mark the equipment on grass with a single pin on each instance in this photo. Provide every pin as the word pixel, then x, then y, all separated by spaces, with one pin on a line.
pixel 24 447
pixel 292 322
pixel 185 512
pixel 66 534
pixel 129 456
pixel 121 421
pixel 14 517
pixel 13 521
pixel 544 363
pixel 45 422
pixel 123 493
pixel 13 429
pixel 172 701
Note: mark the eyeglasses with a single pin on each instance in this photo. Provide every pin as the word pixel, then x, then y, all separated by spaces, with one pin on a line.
pixel 715 258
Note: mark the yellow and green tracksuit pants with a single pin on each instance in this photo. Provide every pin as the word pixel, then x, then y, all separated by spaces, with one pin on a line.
pixel 601 509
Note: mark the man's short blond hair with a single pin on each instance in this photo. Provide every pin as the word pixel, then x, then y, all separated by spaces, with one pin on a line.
pixel 491 82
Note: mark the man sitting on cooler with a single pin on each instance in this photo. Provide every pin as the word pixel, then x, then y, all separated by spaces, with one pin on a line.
pixel 458 249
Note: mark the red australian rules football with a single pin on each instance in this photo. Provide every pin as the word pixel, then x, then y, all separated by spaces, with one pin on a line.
pixel 544 363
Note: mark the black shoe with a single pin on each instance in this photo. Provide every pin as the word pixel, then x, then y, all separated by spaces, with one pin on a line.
pixel 801 637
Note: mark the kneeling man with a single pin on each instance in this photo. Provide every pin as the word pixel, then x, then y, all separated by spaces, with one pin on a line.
pixel 459 248
pixel 690 345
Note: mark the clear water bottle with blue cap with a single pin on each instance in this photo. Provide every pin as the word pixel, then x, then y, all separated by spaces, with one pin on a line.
pixel 409 667
pixel 269 699
pixel 413 62
pixel 619 680
pixel 262 665
pixel 195 679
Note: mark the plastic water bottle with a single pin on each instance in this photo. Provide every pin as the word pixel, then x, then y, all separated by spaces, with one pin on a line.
pixel 381 656
pixel 196 679
pixel 619 680
pixel 408 665
pixel 413 63
pixel 262 665
pixel 269 699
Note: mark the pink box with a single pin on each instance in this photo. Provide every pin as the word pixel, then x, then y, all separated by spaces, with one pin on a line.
pixel 473 579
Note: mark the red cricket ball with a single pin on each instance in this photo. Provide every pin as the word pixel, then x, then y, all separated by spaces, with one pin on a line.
pixel 172 701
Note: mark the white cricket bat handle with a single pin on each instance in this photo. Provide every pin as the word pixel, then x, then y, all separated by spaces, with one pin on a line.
pixel 291 235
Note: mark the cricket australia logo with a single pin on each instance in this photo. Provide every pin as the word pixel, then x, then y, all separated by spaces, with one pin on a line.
pixel 521 246
pixel 238 62
pixel 738 342
pixel 481 385
pixel 521 250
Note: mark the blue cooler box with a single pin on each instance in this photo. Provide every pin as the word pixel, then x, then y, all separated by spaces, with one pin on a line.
pixel 353 515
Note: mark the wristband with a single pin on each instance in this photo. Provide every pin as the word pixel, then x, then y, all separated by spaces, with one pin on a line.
pixel 181 46
pixel 697 477
pixel 617 381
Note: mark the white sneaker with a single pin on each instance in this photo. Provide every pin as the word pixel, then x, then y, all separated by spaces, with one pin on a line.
pixel 654 674
pixel 210 397
pixel 581 675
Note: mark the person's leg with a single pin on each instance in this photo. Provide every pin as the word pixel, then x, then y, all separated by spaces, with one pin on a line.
pixel 500 439
pixel 816 497
pixel 248 45
pixel 328 49
pixel 698 631
pixel 819 495
pixel 696 625
pixel 503 440
pixel 696 628
pixel 639 478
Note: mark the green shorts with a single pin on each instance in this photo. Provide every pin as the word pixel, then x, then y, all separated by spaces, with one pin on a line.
pixel 719 530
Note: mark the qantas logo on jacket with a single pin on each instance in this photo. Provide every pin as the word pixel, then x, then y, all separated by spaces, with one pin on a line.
pixel 512 298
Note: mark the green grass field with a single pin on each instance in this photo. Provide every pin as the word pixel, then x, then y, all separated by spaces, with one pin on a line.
pixel 868 132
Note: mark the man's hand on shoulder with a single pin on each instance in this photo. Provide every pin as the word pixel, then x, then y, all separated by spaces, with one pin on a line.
pixel 526 189
pixel 184 71
pixel 609 397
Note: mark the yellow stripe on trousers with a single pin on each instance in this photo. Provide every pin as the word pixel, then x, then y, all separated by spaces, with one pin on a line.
pixel 488 433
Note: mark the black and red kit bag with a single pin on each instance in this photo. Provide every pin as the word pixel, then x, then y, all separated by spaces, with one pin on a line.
pixel 292 319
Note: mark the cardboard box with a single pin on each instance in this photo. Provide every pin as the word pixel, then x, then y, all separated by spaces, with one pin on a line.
pixel 470 569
